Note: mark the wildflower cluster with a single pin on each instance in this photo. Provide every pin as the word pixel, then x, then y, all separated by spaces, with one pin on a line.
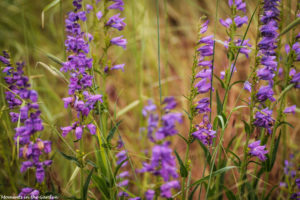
pixel 291 179
pixel 162 162
pixel 234 45
pixel 204 130
pixel 115 22
pixel 22 102
pixel 79 67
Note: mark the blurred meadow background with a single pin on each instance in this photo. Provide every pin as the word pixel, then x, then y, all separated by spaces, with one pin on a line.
pixel 34 31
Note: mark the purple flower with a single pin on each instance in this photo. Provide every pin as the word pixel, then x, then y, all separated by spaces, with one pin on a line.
pixel 116 22
pixel 170 103
pixel 92 128
pixel 264 93
pixel 203 86
pixel 119 41
pixel 257 150
pixel 247 86
pixel 99 15
pixel 290 109
pixel 165 189
pixel 203 105
pixel 264 119
pixel 89 8
pixel 118 67
pixel 296 80
pixel 29 192
pixel 226 23
pixel 204 27
pixel 78 132
pixel 118 4
pixel 204 131
pixel 149 194
pixel 239 21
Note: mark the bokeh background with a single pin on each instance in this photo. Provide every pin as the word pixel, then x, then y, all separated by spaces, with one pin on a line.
pixel 33 31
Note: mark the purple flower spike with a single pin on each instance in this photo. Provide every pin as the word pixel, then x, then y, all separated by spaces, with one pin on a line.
pixel 258 151
pixel 27 113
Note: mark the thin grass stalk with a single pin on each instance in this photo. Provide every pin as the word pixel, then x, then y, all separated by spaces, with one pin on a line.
pixel 243 169
pixel 158 51
pixel 191 98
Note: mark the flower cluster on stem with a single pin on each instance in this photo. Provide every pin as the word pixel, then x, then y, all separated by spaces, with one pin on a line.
pixel 204 131
pixel 23 103
pixel 162 163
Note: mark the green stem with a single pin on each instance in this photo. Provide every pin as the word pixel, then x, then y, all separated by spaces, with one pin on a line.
pixel 158 51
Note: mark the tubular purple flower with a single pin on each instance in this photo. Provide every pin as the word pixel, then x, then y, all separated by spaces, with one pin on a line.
pixel 166 188
pixel 119 41
pixel 257 150
pixel 264 119
pixel 290 109
pixel 116 22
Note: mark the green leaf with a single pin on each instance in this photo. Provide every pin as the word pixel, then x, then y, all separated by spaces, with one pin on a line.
pixel 235 84
pixel 86 184
pixel 247 127
pixel 207 154
pixel 193 192
pixel 182 137
pixel 269 194
pixel 50 5
pixel 183 170
pixel 92 163
pixel 292 25
pixel 251 191
pixel 55 59
pixel 283 122
pixel 101 184
pixel 221 121
pixel 231 141
pixel 274 153
pixel 119 166
pixel 128 108
pixel 229 194
pixel 235 157
pixel 112 132
pixel 219 103
pixel 220 171
pixel 71 158
pixel 220 80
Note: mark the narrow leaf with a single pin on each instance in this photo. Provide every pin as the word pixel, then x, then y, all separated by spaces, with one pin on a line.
pixel 86 184
pixel 112 132
pixel 220 171
pixel 183 170
pixel 71 158
pixel 292 25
